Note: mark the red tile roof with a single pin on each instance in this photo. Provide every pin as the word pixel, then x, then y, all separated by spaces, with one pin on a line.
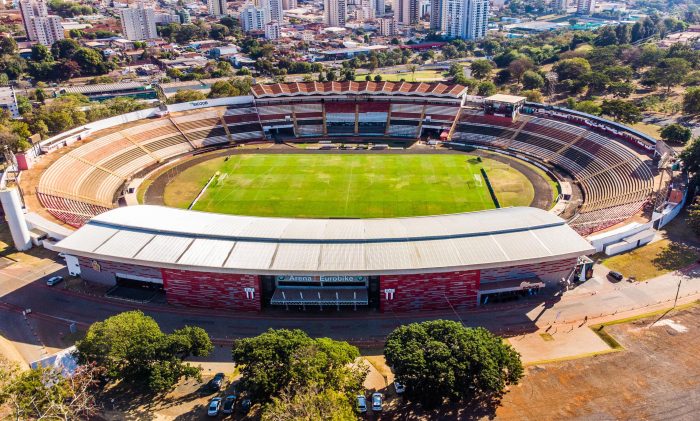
pixel 321 88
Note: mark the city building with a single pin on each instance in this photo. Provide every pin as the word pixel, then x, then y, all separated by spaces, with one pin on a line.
pixel 585 7
pixel 273 9
pixel 335 12
pixel 466 19
pixel 436 15
pixel 560 5
pixel 289 4
pixel 166 18
pixel 138 23
pixel 379 7
pixel 38 24
pixel 272 30
pixel 185 16
pixel 407 12
pixel 8 101
pixel 217 7
pixel 252 18
pixel 387 27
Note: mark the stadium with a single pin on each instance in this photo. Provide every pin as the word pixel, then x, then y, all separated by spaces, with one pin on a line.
pixel 389 196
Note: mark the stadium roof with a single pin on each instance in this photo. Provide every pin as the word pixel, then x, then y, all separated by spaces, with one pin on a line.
pixel 393 88
pixel 180 239
pixel 508 99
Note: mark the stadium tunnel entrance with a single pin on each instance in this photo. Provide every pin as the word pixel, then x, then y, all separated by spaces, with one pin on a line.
pixel 302 292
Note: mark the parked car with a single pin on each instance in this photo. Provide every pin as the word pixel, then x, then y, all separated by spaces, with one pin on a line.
pixel 377 402
pixel 214 407
pixel 617 276
pixel 400 388
pixel 245 405
pixel 229 403
pixel 54 280
pixel 217 382
pixel 361 404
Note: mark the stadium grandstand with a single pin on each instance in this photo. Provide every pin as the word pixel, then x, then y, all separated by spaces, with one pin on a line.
pixel 606 171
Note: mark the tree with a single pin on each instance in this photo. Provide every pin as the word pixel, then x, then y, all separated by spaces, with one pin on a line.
pixel 45 393
pixel 572 68
pixel 517 68
pixel 623 111
pixel 309 403
pixel 532 80
pixel 279 360
pixel 621 89
pixel 589 107
pixel 41 53
pixel 675 133
pixel 8 45
pixel 186 95
pixel 64 48
pixel 378 78
pixel 486 88
pixel 481 68
pixel 90 62
pixel 691 100
pixel 442 359
pixel 691 158
pixel 669 72
pixel 694 216
pixel 595 81
pixel 532 95
pixel 606 36
pixel 130 347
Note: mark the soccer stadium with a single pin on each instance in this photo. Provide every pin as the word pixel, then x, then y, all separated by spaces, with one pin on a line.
pixel 388 196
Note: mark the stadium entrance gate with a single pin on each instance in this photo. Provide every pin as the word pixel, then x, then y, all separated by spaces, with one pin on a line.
pixel 334 291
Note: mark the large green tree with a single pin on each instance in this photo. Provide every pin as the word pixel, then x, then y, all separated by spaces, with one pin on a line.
pixel 481 68
pixel 442 359
pixel 668 73
pixel 675 133
pixel 623 111
pixel 131 347
pixel 186 95
pixel 309 403
pixel 691 100
pixel 284 359
pixel 572 68
pixel 691 158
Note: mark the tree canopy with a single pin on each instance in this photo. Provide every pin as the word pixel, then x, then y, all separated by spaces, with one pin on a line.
pixel 675 133
pixel 130 347
pixel 442 359
pixel 279 360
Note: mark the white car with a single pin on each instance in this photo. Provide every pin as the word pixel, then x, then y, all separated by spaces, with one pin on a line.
pixel 361 404
pixel 400 388
pixel 377 402
pixel 54 280
pixel 214 407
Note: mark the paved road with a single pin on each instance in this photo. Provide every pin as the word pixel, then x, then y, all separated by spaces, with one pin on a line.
pixel 53 308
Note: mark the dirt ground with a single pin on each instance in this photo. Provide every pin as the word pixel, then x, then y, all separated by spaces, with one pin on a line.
pixel 657 377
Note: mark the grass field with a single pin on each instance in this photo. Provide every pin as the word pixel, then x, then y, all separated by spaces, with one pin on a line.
pixel 418 76
pixel 347 185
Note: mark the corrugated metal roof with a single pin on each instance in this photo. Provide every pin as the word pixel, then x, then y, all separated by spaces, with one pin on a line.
pixel 180 239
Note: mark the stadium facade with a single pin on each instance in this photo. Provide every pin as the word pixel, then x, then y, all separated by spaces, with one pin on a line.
pixel 399 264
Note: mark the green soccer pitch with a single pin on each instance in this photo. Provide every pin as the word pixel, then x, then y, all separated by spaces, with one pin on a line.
pixel 347 185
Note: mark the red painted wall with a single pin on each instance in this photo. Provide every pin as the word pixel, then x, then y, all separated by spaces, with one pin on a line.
pixel 549 272
pixel 429 291
pixel 211 290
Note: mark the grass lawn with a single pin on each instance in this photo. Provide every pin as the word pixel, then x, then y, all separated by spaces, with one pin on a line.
pixel 419 76
pixel 347 185
pixel 652 260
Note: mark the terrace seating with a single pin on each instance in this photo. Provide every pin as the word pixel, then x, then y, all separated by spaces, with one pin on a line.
pixel 86 181
pixel 614 180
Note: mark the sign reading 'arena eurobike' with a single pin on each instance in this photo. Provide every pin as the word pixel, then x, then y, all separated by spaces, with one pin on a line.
pixel 329 279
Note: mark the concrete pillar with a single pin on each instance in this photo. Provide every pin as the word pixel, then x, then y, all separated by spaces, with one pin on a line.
pixel 11 203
